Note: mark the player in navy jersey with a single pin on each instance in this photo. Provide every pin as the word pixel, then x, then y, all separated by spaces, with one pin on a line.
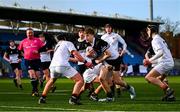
pixel 45 57
pixel 13 56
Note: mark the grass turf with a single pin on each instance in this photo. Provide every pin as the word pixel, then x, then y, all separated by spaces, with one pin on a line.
pixel 148 98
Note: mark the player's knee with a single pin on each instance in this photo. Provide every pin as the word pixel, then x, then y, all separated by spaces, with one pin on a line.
pixel 80 81
pixel 101 79
pixel 104 70
pixel 147 79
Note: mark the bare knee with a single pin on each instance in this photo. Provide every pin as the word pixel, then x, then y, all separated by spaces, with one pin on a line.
pixel 80 81
pixel 101 79
pixel 147 78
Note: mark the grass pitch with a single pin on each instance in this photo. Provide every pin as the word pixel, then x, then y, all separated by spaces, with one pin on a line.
pixel 148 98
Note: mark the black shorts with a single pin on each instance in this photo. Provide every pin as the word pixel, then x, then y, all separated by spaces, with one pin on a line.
pixel 115 63
pixel 45 65
pixel 16 66
pixel 33 64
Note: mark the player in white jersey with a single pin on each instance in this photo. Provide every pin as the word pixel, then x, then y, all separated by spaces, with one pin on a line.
pixel 164 62
pixel 60 66
pixel 148 55
pixel 114 39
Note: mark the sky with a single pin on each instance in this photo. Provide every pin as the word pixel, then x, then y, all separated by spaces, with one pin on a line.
pixel 138 9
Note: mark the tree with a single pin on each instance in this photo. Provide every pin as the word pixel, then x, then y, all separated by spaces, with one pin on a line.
pixel 168 25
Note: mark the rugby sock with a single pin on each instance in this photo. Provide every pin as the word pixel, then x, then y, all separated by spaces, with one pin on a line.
pixel 15 82
pixel 113 89
pixel 91 89
pixel 34 83
pixel 44 96
pixel 109 94
pixel 20 86
pixel 127 87
pixel 118 90
pixel 74 95
pixel 164 86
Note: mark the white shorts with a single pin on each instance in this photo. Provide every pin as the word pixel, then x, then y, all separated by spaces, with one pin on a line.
pixel 164 67
pixel 66 71
pixel 90 74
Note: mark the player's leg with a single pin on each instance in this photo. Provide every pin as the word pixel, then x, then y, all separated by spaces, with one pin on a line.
pixel 18 73
pixel 77 78
pixel 122 83
pixel 34 82
pixel 31 66
pixel 152 78
pixel 54 74
pixel 46 90
pixel 163 78
pixel 105 79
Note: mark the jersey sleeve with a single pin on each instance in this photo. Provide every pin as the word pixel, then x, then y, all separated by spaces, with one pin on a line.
pixel 121 40
pixel 41 44
pixel 104 45
pixel 157 44
pixel 7 51
pixel 20 47
pixel 70 46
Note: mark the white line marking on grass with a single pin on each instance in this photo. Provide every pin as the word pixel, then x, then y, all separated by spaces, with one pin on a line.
pixel 25 93
pixel 40 108
pixel 54 109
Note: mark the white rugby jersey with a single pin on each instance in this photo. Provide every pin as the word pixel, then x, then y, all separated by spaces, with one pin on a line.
pixel 113 39
pixel 62 53
pixel 159 43
pixel 114 53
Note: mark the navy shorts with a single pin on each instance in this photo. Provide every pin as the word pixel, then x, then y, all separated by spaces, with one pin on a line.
pixel 16 66
pixel 33 64
pixel 115 63
pixel 45 65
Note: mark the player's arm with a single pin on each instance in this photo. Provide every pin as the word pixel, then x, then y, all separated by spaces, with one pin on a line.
pixel 153 59
pixel 147 55
pixel 103 57
pixel 90 52
pixel 71 59
pixel 6 57
pixel 20 47
pixel 121 40
pixel 77 55
pixel 156 56
pixel 20 55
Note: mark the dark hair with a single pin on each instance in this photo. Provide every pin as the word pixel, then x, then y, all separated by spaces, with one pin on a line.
pixel 153 28
pixel 11 41
pixel 60 36
pixel 108 25
pixel 29 29
pixel 41 35
pixel 81 29
pixel 89 31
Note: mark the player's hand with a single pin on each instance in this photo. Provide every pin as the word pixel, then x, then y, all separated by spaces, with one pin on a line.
pixel 109 67
pixel 89 65
pixel 19 60
pixel 90 53
pixel 10 61
pixel 97 61
pixel 35 52
pixel 48 51
pixel 146 62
